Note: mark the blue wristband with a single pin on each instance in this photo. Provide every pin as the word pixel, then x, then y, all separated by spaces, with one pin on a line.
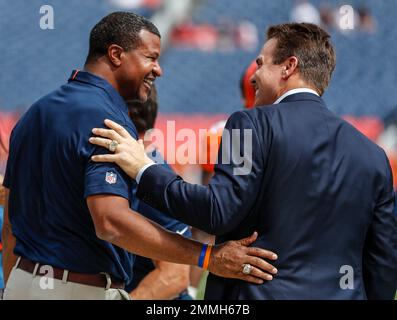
pixel 202 255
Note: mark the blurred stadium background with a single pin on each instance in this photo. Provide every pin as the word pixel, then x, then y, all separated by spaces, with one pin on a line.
pixel 207 44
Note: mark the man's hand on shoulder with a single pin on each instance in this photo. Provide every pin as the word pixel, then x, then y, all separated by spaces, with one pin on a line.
pixel 129 153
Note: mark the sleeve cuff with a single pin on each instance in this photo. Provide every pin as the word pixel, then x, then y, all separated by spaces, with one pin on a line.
pixel 141 171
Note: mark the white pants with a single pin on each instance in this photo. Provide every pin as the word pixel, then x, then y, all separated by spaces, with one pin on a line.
pixel 22 285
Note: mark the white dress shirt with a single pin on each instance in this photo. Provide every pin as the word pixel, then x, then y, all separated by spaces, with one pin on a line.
pixel 293 91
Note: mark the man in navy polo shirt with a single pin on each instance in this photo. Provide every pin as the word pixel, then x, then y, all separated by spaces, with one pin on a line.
pixel 71 217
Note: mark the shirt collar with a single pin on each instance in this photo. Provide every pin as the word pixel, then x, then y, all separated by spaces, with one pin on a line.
pixel 90 78
pixel 294 91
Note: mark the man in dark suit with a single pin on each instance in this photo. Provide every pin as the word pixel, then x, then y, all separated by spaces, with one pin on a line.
pixel 318 191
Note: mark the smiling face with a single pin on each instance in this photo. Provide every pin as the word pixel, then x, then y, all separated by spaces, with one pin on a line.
pixel 140 67
pixel 267 80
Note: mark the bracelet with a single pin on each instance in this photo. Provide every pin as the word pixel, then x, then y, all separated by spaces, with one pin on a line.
pixel 202 255
pixel 207 257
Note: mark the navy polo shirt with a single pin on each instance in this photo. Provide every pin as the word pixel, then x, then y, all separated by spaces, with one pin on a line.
pixel 50 175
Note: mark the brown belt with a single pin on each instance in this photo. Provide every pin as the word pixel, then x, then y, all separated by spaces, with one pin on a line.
pixel 95 280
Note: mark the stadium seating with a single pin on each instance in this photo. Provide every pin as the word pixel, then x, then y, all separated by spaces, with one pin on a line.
pixel 35 61
pixel 363 82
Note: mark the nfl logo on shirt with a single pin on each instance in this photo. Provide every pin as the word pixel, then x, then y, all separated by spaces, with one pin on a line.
pixel 111 177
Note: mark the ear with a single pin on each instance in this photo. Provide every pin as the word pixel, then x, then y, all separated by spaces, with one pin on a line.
pixel 252 80
pixel 114 54
pixel 289 66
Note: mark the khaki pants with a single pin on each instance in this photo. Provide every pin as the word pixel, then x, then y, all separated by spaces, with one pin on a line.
pixel 22 285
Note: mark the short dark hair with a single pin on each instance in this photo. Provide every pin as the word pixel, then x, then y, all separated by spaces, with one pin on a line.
pixel 311 45
pixel 144 114
pixel 121 28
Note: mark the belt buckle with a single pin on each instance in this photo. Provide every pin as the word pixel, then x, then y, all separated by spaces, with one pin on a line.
pixel 108 280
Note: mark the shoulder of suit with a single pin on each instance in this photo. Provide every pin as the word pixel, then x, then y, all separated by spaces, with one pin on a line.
pixel 252 118
pixel 259 113
pixel 254 112
pixel 374 152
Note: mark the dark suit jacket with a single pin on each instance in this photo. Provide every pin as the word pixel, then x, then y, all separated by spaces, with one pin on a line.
pixel 319 194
